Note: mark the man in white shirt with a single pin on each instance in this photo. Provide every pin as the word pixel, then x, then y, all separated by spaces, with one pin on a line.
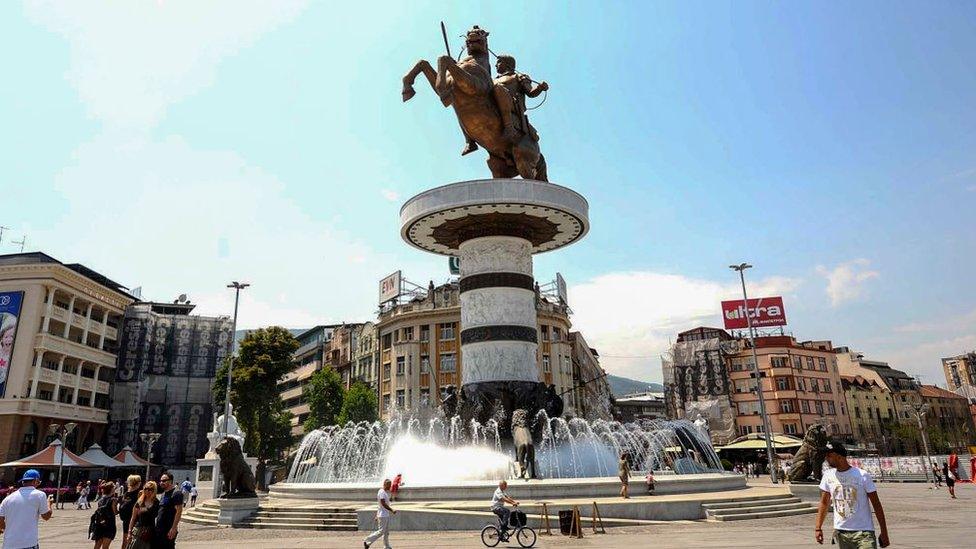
pixel 850 488
pixel 19 512
pixel 498 501
pixel 383 512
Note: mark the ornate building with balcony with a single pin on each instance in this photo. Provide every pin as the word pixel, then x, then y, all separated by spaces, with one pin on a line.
pixel 63 357
pixel 420 350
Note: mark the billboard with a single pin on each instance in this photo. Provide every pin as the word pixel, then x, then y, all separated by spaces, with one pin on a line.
pixel 390 287
pixel 561 289
pixel 10 303
pixel 763 311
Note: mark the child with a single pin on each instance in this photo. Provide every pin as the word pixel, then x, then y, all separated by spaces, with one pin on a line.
pixel 395 487
pixel 193 496
pixel 650 483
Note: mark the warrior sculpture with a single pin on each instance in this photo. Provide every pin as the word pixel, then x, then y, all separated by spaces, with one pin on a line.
pixel 524 446
pixel 491 112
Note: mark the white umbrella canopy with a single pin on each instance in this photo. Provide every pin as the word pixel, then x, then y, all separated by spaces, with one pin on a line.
pixel 95 455
pixel 129 458
pixel 51 457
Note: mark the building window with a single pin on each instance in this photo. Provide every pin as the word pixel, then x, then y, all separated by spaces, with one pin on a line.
pixel 448 363
pixel 386 403
pixel 425 396
pixel 401 361
pixel 786 406
pixel 789 428
pixel 822 363
pixel 798 362
pixel 545 333
pixel 801 384
pixel 408 333
pixel 386 372
pixel 857 412
pixel 782 383
pixel 830 408
pixel 546 366
pixel 826 386
pixel 819 407
pixel 556 334
pixel 806 406
pixel 810 363
pixel 401 399
pixel 425 333
pixel 780 362
pixel 29 444
pixel 425 364
pixel 447 331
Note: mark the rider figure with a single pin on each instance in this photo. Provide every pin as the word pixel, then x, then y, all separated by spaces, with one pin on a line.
pixel 498 501
pixel 510 89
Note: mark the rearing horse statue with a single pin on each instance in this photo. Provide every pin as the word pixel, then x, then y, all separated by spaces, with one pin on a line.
pixel 467 85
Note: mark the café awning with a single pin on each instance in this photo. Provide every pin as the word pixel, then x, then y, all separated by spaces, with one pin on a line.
pixel 128 458
pixel 780 442
pixel 51 457
pixel 95 455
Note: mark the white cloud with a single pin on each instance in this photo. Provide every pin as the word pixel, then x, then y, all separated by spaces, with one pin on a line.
pixel 131 60
pixel 390 195
pixel 845 282
pixel 635 315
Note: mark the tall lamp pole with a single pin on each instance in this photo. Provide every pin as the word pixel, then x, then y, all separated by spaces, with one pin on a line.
pixel 61 432
pixel 741 269
pixel 919 409
pixel 149 439
pixel 238 286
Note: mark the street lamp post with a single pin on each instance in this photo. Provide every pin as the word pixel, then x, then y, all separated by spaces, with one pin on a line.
pixel 61 432
pixel 919 409
pixel 741 268
pixel 149 439
pixel 238 286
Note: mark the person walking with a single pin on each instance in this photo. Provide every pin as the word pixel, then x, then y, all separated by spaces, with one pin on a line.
pixel 193 496
pixel 83 492
pixel 623 471
pixel 938 475
pixel 102 528
pixel 170 512
pixel 850 488
pixel 383 513
pixel 949 480
pixel 185 487
pixel 127 503
pixel 142 525
pixel 20 510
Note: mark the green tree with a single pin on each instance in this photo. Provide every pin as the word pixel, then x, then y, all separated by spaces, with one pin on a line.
pixel 324 394
pixel 360 404
pixel 264 357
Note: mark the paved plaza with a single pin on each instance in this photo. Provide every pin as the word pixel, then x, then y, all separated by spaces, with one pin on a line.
pixel 917 517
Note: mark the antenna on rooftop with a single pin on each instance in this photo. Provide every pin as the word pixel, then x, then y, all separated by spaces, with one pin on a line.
pixel 23 242
pixel 2 228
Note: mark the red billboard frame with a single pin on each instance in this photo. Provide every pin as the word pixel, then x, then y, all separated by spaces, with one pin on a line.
pixel 763 311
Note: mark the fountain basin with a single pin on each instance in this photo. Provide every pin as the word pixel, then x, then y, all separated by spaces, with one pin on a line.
pixel 532 490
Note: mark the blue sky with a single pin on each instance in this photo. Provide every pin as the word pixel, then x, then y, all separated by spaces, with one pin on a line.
pixel 180 145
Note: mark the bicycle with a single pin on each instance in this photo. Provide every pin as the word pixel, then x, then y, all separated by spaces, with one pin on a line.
pixel 491 535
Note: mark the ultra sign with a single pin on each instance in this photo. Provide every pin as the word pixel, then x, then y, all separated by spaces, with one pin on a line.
pixel 763 311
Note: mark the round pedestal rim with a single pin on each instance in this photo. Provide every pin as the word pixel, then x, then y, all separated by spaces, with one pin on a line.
pixel 508 193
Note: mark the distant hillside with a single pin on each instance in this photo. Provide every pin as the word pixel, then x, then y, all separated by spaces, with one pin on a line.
pixel 621 386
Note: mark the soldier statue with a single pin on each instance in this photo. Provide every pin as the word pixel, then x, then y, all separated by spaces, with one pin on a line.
pixel 491 112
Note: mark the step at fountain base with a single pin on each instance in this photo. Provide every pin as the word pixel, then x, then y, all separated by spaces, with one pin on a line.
pixel 759 507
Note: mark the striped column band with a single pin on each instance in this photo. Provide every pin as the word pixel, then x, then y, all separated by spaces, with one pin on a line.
pixel 499 338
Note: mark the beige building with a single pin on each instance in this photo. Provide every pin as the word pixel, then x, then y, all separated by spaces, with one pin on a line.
pixel 307 359
pixel 871 410
pixel 63 356
pixel 960 371
pixel 800 383
pixel 950 413
pixel 420 343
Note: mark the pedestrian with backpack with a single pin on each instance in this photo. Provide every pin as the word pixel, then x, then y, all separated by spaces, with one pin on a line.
pixel 102 528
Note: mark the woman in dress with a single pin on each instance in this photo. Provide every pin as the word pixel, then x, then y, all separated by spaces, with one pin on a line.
pixel 128 499
pixel 142 525
pixel 102 528
pixel 623 470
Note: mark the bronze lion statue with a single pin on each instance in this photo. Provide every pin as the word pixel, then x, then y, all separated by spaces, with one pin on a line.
pixel 237 480
pixel 808 461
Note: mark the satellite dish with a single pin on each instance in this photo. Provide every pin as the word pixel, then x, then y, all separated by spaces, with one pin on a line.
pixel 182 298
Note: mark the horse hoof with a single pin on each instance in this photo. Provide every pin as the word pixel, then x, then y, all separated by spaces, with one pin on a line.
pixel 407 94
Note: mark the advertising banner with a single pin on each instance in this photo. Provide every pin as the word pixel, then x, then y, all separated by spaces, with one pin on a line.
pixel 390 287
pixel 10 303
pixel 763 311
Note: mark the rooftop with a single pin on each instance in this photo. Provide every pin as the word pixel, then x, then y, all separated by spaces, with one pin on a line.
pixel 931 391
pixel 30 258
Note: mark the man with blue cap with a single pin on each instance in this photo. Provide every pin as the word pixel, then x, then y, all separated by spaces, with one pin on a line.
pixel 19 512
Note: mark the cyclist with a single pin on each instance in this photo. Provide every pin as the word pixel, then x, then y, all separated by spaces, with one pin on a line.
pixel 498 501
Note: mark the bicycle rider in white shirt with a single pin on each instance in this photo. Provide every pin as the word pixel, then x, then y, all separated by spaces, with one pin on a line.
pixel 498 501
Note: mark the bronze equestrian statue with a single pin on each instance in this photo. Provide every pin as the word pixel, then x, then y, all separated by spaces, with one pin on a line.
pixel 491 112
pixel 237 480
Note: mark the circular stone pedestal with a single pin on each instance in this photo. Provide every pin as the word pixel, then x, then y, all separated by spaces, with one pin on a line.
pixel 494 226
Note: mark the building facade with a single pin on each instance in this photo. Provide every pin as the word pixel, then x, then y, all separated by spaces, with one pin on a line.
pixel 800 383
pixel 639 406
pixel 313 348
pixel 163 384
pixel 949 412
pixel 419 350
pixel 60 329
pixel 871 410
pixel 590 395
pixel 960 371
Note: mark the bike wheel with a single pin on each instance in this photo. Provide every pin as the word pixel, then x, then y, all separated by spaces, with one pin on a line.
pixel 490 536
pixel 525 537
